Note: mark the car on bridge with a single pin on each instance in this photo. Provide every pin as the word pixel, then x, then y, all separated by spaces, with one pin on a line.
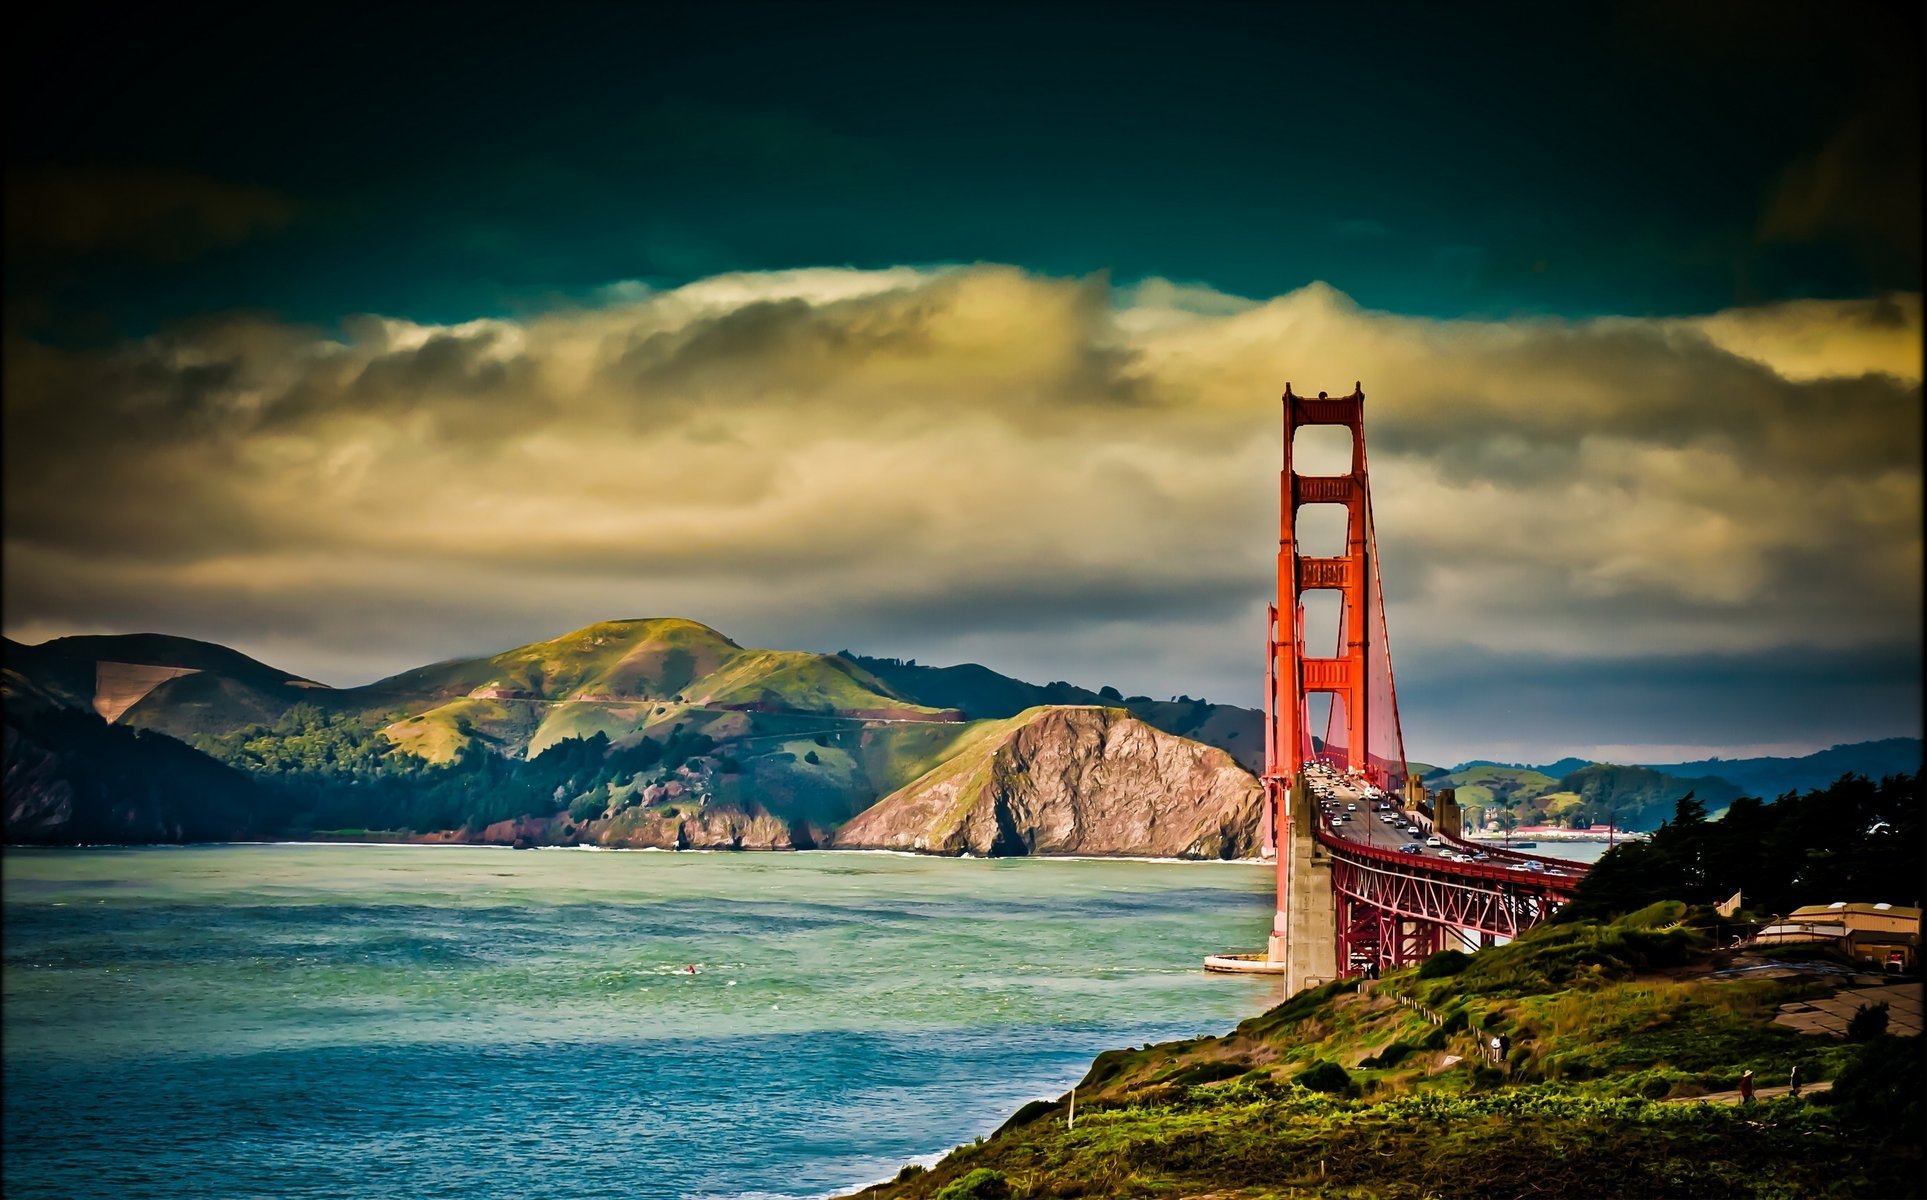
pixel 1411 848
pixel 1435 840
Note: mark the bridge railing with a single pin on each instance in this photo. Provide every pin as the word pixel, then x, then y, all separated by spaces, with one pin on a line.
pixel 1537 881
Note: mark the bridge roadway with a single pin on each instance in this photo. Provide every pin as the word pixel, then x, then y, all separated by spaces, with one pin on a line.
pixel 1363 827
pixel 1395 906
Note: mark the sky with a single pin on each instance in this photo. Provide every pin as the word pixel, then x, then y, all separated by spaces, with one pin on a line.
pixel 362 339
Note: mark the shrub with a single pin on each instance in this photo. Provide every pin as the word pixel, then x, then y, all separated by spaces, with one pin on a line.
pixel 1866 1024
pixel 981 1184
pixel 1883 1085
pixel 1207 1072
pixel 1327 1076
pixel 1443 964
pixel 1655 1088
pixel 811 758
pixel 1390 1056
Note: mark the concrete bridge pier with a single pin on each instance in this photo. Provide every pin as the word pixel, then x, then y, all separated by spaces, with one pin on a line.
pixel 1304 934
pixel 1304 927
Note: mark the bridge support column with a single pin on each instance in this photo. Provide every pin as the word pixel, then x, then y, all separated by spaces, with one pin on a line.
pixel 1304 933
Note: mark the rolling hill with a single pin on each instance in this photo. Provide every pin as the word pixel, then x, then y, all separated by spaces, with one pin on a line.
pixel 1768 778
pixel 172 685
pixel 983 694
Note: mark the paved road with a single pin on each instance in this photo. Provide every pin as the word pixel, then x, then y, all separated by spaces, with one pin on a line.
pixel 1364 826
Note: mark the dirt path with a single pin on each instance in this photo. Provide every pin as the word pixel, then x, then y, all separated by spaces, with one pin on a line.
pixel 1759 1093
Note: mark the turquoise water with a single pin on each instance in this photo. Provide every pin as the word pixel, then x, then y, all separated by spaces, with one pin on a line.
pixel 398 1021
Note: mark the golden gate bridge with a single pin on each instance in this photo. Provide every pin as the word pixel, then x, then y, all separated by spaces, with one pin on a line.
pixel 1350 899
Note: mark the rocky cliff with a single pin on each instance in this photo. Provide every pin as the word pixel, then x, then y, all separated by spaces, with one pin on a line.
pixel 1071 780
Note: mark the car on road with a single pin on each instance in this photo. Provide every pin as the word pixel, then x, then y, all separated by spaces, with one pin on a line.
pixel 1351 808
pixel 1411 848
pixel 1435 840
pixel 1480 856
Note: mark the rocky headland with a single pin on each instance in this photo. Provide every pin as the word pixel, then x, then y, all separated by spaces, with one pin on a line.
pixel 1071 780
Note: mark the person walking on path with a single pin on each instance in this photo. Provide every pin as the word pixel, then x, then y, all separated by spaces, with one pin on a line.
pixel 1746 1087
pixel 1793 1083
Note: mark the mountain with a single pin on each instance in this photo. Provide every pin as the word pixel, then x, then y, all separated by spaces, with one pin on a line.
pixel 1071 780
pixel 1556 770
pixel 983 694
pixel 621 678
pixel 171 685
pixel 648 732
pixel 1772 777
pixel 70 777
pixel 1638 798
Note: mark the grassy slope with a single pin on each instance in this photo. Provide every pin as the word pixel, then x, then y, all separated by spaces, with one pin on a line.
pixel 1601 1017
pixel 984 694
pixel 638 674
pixel 966 763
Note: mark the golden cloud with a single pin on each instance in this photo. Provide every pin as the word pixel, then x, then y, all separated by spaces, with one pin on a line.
pixel 938 455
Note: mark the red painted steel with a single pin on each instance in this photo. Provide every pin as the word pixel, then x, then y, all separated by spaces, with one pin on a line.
pixel 1392 908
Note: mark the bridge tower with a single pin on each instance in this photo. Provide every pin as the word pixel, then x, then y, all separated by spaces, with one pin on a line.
pixel 1361 731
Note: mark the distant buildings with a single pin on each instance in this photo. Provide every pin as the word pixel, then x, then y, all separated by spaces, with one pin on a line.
pixel 1882 934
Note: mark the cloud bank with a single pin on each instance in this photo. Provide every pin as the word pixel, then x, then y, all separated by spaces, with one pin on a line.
pixel 1052 476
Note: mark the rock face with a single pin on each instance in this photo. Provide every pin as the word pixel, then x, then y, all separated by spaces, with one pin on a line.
pixel 1072 780
pixel 710 827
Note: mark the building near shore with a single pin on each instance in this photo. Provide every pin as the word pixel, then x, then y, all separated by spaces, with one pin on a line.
pixel 1881 934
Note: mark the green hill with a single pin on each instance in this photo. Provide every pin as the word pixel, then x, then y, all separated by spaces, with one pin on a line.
pixel 621 678
pixel 1769 778
pixel 1383 1090
pixel 983 694
pixel 1486 791
pixel 1638 798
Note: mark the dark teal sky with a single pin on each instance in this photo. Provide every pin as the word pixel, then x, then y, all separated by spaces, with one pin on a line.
pixel 443 162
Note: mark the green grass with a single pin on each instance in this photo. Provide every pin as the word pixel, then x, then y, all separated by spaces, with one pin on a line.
pixel 1603 1018
pixel 1254 1139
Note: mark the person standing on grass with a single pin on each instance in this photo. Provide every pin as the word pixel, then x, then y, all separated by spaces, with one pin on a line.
pixel 1746 1087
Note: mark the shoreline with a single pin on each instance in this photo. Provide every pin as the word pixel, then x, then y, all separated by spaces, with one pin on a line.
pixel 439 845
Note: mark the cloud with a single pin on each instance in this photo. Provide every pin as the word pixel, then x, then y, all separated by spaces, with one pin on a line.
pixel 160 216
pixel 1059 478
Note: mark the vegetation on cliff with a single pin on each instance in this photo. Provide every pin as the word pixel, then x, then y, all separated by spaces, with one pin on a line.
pixel 1382 1090
pixel 71 777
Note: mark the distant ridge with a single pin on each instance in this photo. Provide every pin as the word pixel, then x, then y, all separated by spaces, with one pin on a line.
pixel 1772 777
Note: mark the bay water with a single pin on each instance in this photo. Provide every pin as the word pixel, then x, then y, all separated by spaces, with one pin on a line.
pixel 412 1021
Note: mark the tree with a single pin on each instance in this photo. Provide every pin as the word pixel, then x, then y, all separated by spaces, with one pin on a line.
pixel 590 804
